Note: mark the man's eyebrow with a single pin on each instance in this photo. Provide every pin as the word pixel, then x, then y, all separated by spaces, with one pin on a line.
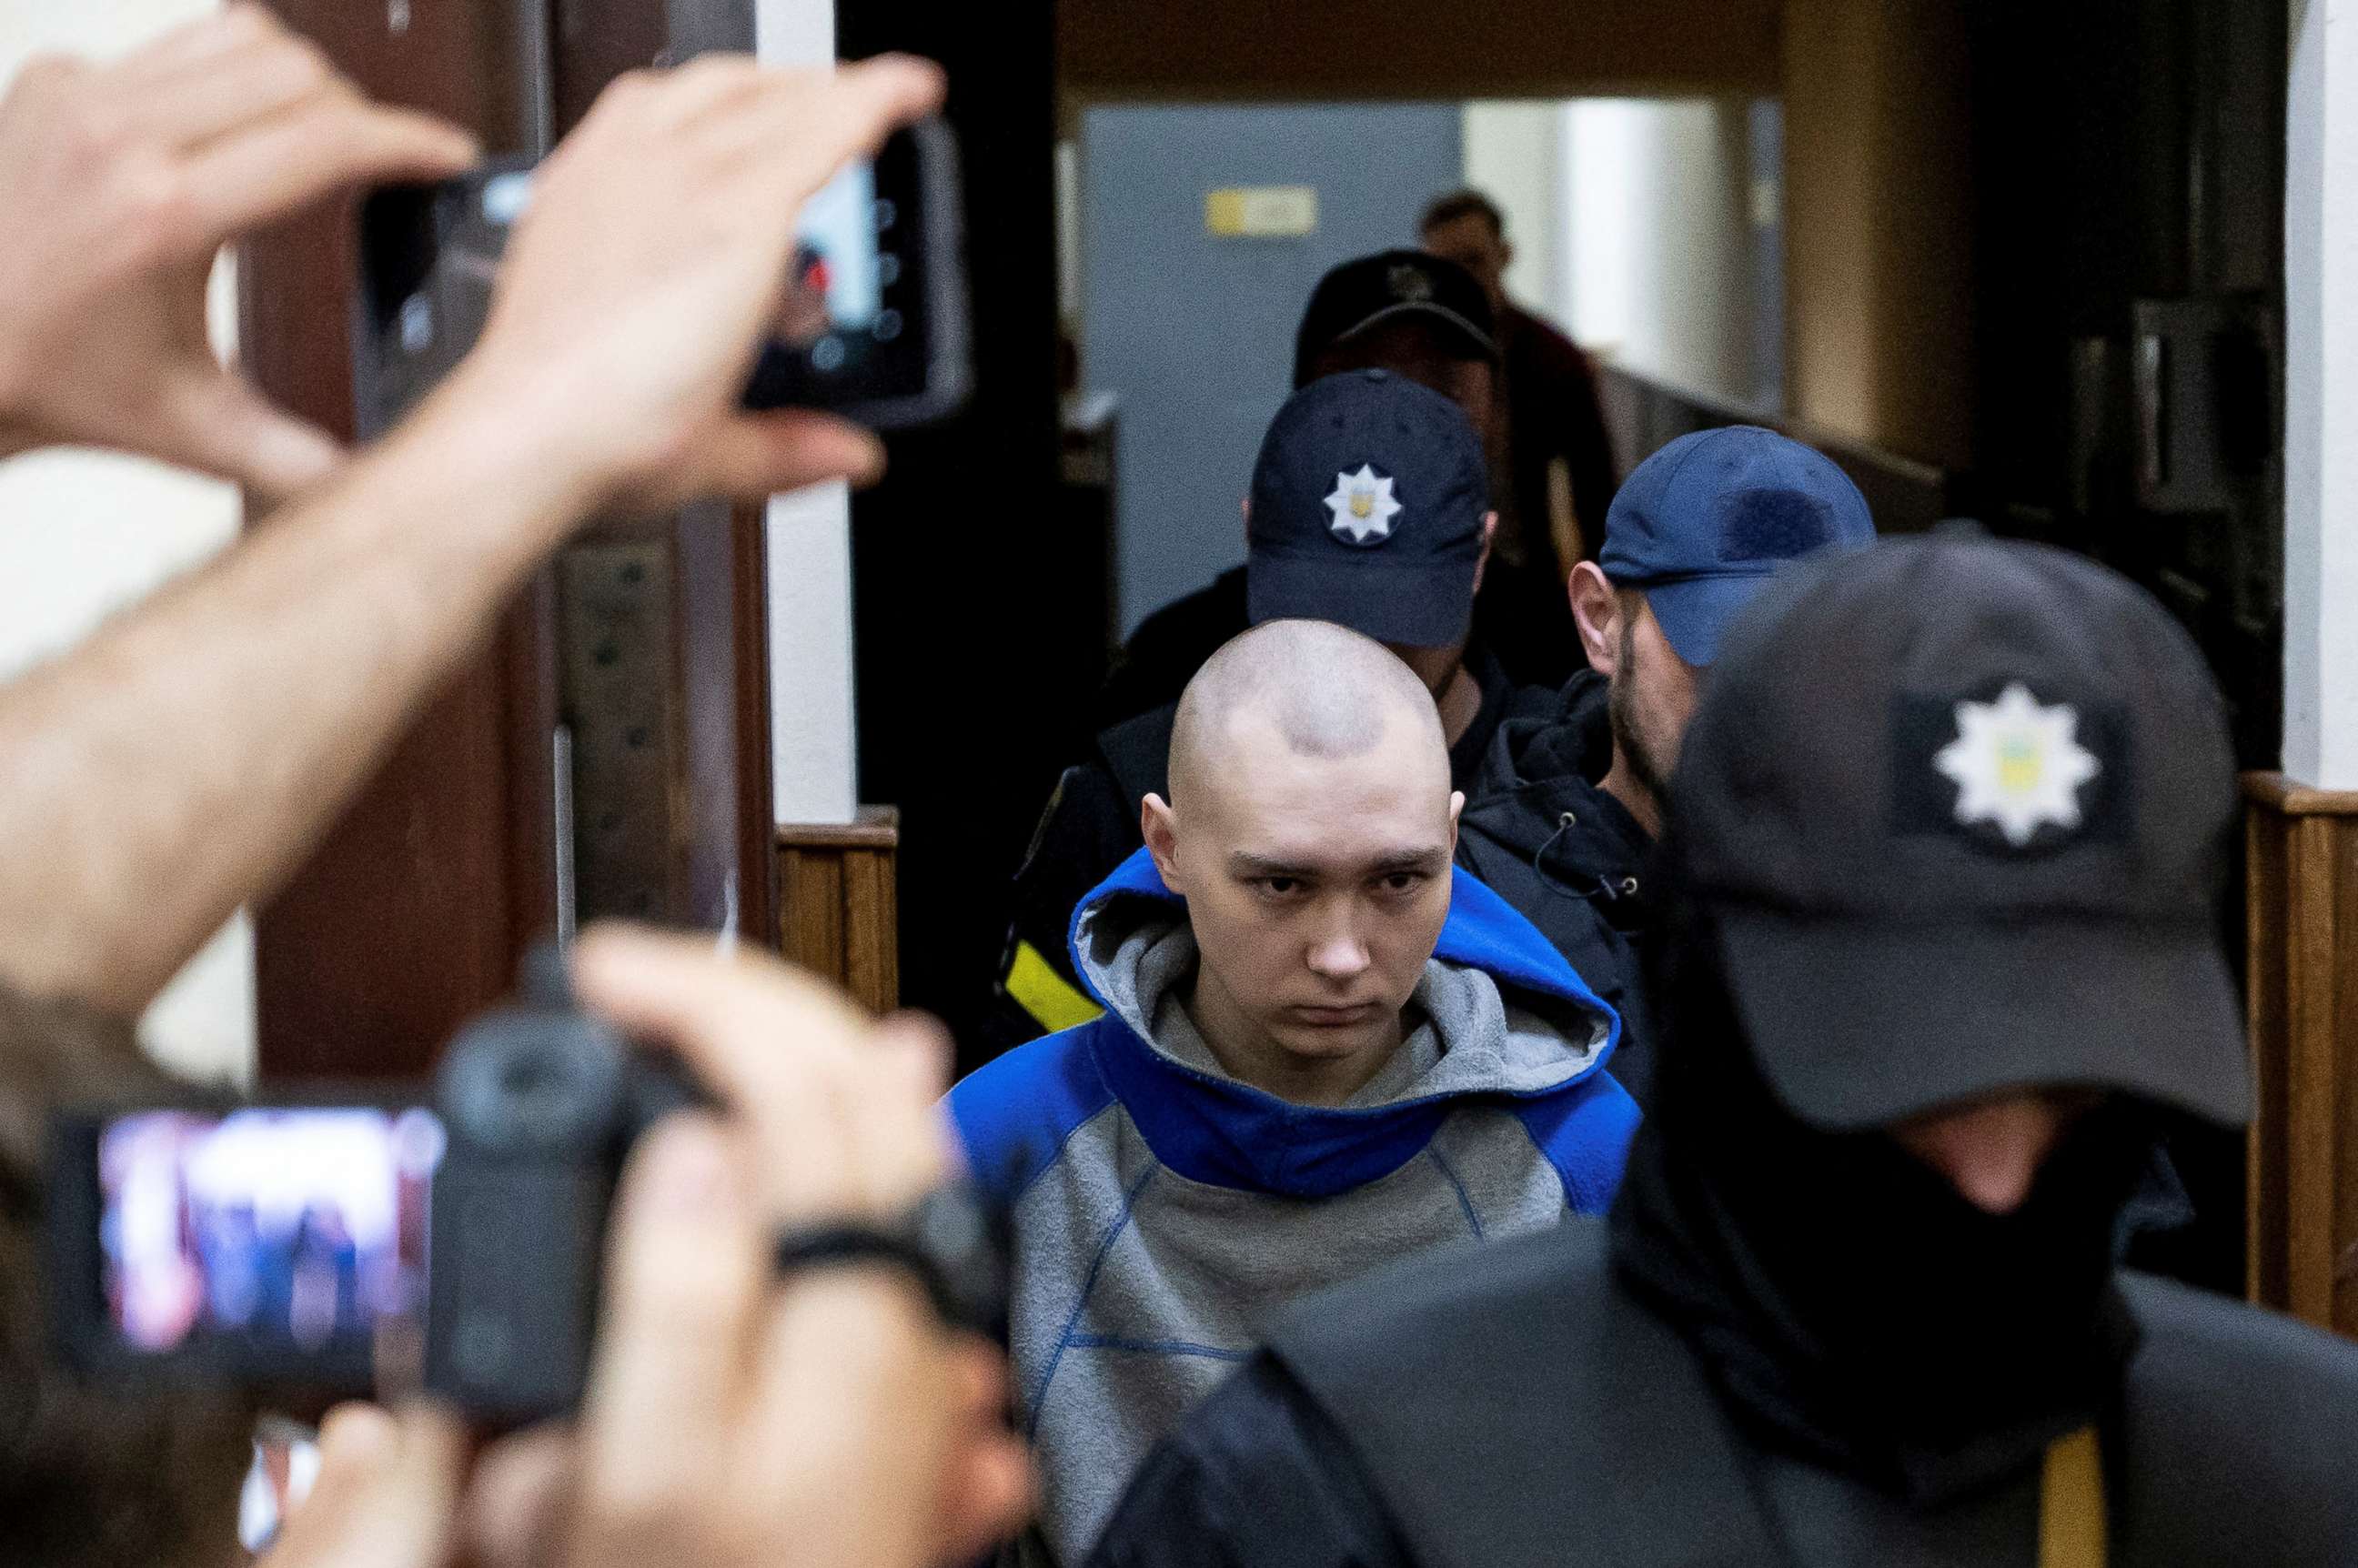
pixel 1430 860
pixel 1245 864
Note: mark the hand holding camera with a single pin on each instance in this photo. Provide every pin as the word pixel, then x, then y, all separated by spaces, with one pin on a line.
pixel 730 1408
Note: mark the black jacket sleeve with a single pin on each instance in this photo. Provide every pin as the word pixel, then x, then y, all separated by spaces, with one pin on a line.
pixel 1088 829
pixel 1256 1476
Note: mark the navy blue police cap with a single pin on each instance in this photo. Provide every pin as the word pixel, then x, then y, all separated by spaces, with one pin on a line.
pixel 1702 525
pixel 1369 501
pixel 1959 811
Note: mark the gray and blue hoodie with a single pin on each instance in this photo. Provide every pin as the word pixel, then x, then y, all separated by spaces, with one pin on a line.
pixel 1163 1210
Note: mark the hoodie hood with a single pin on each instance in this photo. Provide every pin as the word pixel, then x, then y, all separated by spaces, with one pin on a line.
pixel 1543 768
pixel 1506 1018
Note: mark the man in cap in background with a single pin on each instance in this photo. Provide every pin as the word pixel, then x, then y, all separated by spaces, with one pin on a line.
pixel 1550 456
pixel 1369 508
pixel 1949 829
pixel 1323 1050
pixel 1564 811
pixel 1403 311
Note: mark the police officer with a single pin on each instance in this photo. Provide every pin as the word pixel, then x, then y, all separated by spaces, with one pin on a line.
pixel 1414 315
pixel 1949 826
pixel 1370 509
pixel 1565 810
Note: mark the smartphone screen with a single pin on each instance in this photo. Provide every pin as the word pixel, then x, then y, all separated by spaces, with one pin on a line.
pixel 267 1237
pixel 874 318
pixel 872 323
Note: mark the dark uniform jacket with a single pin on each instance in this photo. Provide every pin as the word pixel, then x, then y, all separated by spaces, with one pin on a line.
pixel 1090 827
pixel 1552 415
pixel 1578 1428
pixel 1169 645
pixel 1541 833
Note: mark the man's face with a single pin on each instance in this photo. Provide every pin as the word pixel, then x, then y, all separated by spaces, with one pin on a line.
pixel 1472 243
pixel 1415 350
pixel 1653 696
pixel 1316 886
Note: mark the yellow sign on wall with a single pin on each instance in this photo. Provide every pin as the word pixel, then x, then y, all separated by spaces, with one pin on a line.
pixel 1261 211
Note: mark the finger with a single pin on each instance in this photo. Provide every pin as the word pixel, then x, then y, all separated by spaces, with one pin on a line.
pixel 685 1277
pixel 987 1496
pixel 195 45
pixel 764 1037
pixel 753 455
pixel 898 1147
pixel 514 1507
pixel 211 95
pixel 922 1049
pixel 219 423
pixel 384 1495
pixel 809 128
pixel 329 143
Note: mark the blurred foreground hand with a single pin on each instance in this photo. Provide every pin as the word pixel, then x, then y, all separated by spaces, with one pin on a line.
pixel 734 1419
pixel 118 185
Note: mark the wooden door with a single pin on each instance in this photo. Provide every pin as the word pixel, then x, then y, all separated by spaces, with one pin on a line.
pixel 629 679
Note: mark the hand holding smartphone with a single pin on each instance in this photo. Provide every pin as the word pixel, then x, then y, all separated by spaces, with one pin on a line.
pixel 874 318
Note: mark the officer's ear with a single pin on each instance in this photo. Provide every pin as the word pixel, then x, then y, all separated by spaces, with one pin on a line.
pixel 1159 826
pixel 1244 510
pixel 1482 561
pixel 1596 611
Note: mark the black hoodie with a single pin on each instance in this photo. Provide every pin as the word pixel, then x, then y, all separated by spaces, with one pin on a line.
pixel 1539 833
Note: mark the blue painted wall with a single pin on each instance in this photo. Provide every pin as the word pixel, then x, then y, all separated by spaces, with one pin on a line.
pixel 1195 334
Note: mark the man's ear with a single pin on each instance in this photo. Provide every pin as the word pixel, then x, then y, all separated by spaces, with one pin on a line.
pixel 1244 510
pixel 1596 611
pixel 1159 826
pixel 1482 561
pixel 1506 257
pixel 1456 804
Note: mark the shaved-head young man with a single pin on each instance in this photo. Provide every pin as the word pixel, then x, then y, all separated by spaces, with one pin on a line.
pixel 1322 1049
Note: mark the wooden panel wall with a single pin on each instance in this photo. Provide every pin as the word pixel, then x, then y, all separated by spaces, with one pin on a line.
pixel 838 909
pixel 2302 935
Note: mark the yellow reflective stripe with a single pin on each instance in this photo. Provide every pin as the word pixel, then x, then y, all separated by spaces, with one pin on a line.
pixel 1044 994
pixel 2072 1503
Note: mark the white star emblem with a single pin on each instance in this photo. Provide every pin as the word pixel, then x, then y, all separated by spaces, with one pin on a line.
pixel 2018 763
pixel 1363 507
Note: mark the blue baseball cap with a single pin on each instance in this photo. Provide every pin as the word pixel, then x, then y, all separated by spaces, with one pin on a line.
pixel 1703 525
pixel 1368 504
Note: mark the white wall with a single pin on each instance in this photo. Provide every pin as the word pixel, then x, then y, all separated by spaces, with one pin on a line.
pixel 1653 252
pixel 1514 156
pixel 82 534
pixel 813 769
pixel 2321 742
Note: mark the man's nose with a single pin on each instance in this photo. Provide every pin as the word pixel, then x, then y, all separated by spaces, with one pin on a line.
pixel 1338 954
pixel 1990 1152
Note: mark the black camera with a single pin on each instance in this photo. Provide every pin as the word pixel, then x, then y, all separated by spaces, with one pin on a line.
pixel 873 322
pixel 298 1243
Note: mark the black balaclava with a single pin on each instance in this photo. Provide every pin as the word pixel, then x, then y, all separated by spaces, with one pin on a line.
pixel 1852 1307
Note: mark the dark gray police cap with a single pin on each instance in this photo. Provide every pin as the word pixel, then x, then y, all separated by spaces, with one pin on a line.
pixel 1367 510
pixel 1959 811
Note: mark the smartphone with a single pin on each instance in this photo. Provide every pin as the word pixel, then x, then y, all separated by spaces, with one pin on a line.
pixel 274 1244
pixel 872 323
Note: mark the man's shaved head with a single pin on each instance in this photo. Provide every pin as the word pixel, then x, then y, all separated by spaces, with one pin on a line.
pixel 1310 828
pixel 1327 691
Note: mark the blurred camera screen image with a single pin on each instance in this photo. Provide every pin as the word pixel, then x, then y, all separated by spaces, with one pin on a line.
pixel 838 281
pixel 303 1229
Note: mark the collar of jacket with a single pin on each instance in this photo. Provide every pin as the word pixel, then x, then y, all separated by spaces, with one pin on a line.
pixel 1224 1133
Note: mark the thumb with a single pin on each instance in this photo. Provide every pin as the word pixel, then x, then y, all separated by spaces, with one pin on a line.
pixel 220 423
pixel 385 1497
